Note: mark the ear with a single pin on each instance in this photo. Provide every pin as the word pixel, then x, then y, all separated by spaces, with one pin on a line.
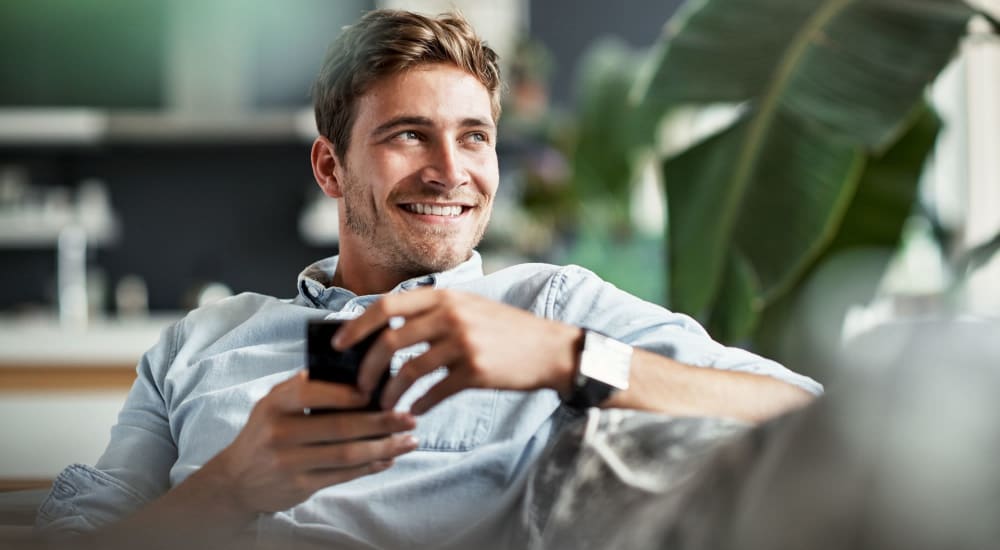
pixel 327 168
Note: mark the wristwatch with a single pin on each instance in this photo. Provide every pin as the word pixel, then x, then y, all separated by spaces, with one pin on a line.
pixel 602 369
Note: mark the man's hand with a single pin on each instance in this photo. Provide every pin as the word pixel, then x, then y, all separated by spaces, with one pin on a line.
pixel 282 456
pixel 484 344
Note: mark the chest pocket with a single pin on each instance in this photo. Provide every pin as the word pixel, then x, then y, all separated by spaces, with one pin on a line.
pixel 460 422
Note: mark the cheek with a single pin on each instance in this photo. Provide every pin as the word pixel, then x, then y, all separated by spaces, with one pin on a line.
pixel 391 169
pixel 487 171
pixel 490 177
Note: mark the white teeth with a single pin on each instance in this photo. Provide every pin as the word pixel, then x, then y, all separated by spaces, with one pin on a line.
pixel 434 209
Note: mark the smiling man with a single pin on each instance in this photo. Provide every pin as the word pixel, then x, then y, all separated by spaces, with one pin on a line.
pixel 418 179
pixel 213 442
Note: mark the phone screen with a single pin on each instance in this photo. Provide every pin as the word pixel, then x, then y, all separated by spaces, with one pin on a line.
pixel 341 367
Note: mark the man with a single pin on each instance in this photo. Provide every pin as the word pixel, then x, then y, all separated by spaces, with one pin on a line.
pixel 213 442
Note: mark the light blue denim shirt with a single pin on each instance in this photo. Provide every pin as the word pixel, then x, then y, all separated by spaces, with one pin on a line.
pixel 197 385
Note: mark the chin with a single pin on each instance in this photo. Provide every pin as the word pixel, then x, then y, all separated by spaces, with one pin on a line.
pixel 444 263
pixel 435 261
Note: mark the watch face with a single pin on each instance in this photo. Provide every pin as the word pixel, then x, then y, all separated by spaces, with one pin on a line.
pixel 606 360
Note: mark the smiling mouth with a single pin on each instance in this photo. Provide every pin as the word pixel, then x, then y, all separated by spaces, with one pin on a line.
pixel 444 210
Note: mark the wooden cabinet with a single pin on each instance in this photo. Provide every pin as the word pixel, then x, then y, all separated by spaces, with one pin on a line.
pixel 60 391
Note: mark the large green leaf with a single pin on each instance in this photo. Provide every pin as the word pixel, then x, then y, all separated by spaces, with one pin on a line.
pixel 854 67
pixel 888 188
pixel 696 241
pixel 605 146
pixel 874 220
pixel 826 83
pixel 777 217
pixel 739 305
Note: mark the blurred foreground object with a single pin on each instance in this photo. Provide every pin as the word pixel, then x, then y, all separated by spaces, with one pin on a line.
pixel 898 454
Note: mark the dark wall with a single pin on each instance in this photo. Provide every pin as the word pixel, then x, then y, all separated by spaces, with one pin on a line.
pixel 189 215
pixel 567 27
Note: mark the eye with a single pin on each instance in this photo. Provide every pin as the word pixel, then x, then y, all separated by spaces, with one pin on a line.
pixel 478 137
pixel 407 135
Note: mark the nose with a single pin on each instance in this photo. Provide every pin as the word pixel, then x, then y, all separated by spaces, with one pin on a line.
pixel 445 168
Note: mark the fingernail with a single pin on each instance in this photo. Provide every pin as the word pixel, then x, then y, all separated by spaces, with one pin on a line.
pixel 409 442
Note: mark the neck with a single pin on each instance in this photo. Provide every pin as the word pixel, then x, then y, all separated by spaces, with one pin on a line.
pixel 354 274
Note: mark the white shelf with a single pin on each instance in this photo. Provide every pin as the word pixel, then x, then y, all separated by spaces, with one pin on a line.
pixel 43 126
pixel 27 342
pixel 153 127
pixel 31 230
pixel 34 127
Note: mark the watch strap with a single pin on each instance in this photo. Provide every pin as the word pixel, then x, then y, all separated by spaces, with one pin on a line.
pixel 603 367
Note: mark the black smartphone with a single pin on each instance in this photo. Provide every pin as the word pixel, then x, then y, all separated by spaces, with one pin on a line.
pixel 342 367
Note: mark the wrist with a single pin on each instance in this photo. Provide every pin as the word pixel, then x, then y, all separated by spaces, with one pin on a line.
pixel 603 368
pixel 569 343
pixel 201 510
pixel 214 482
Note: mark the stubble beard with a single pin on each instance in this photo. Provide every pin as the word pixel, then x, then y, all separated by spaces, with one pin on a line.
pixel 408 254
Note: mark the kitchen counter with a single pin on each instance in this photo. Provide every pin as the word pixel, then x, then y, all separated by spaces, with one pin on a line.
pixel 61 389
pixel 40 354
pixel 43 342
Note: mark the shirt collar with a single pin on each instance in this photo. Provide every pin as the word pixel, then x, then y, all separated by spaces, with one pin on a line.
pixel 315 283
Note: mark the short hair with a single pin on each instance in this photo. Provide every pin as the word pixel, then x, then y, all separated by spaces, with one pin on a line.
pixel 386 42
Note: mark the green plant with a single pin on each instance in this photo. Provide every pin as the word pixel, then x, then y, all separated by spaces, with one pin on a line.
pixel 604 151
pixel 825 153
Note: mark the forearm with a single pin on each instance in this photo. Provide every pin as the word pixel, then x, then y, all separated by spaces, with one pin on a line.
pixel 657 383
pixel 661 384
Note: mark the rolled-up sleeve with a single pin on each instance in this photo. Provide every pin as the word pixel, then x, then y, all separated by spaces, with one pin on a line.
pixel 84 498
pixel 135 467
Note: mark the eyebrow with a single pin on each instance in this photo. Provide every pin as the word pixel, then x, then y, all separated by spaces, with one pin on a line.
pixel 421 121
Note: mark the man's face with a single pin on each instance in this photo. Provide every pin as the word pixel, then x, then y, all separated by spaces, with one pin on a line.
pixel 420 173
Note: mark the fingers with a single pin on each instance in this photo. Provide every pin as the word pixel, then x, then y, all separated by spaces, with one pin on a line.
pixel 350 454
pixel 414 369
pixel 426 328
pixel 313 480
pixel 298 392
pixel 406 304
pixel 326 428
pixel 281 455
pixel 438 393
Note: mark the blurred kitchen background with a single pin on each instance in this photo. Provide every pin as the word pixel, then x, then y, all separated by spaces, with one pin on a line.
pixel 154 157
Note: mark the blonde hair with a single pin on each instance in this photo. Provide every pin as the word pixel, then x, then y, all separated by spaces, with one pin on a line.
pixel 385 42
